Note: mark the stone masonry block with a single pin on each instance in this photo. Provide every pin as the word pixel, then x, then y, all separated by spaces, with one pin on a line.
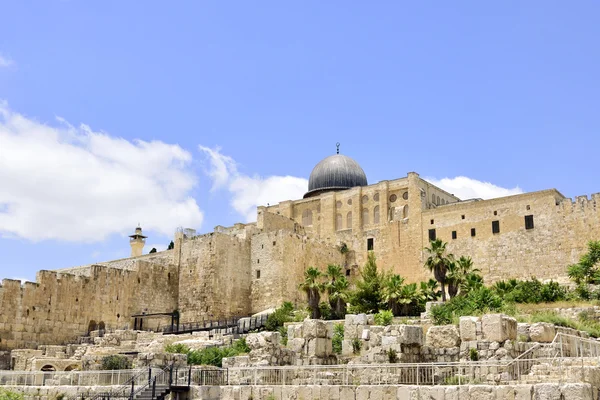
pixel 314 328
pixel 442 336
pixel 410 334
pixel 499 327
pixel 468 328
pixel 542 332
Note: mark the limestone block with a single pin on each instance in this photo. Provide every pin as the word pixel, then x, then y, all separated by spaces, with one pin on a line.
pixel 577 391
pixel 481 392
pixel 542 332
pixel 347 392
pixel 387 341
pixel 410 335
pixel 523 332
pixel 356 319
pixel 441 336
pixel 296 344
pixel 505 393
pixel 406 392
pixel 319 347
pixel 546 391
pixel 365 334
pixel 314 328
pixel 468 328
pixel 499 327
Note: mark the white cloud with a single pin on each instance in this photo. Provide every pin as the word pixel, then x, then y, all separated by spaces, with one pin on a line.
pixel 250 191
pixel 71 183
pixel 467 188
pixel 6 62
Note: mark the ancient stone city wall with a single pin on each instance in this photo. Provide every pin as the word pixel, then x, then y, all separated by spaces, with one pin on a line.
pixel 59 307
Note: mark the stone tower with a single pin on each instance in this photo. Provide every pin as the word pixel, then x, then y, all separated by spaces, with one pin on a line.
pixel 137 242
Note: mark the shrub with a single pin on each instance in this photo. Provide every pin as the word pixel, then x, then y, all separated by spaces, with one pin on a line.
pixel 115 361
pixel 338 337
pixel 210 355
pixel 530 291
pixel 473 355
pixel 10 395
pixel 177 348
pixel 325 311
pixel 356 345
pixel 280 316
pixel 392 356
pixel 367 297
pixel 384 317
pixel 475 302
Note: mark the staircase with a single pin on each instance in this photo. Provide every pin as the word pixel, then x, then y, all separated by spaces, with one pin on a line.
pixel 153 392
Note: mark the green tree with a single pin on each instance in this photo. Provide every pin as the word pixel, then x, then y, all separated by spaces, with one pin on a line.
pixel 392 292
pixel 462 276
pixel 171 245
pixel 438 262
pixel 410 298
pixel 367 297
pixel 586 271
pixel 337 290
pixel 430 290
pixel 312 287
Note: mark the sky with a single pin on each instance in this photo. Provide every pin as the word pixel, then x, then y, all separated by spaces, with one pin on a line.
pixel 190 114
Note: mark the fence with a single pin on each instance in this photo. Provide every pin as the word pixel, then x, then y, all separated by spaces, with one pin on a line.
pixel 71 378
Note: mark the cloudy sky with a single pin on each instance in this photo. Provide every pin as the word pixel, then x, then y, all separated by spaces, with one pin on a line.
pixel 112 114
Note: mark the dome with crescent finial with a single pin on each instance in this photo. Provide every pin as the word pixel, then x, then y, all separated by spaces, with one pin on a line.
pixel 336 172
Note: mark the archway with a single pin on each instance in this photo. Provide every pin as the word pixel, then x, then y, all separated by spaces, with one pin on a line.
pixel 92 326
pixel 48 368
pixel 72 367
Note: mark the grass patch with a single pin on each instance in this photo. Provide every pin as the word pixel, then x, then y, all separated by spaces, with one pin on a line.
pixel 584 322
pixel 530 308
pixel 210 355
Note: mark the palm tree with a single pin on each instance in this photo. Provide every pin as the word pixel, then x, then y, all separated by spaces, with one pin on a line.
pixel 336 289
pixel 392 292
pixel 410 296
pixel 430 290
pixel 312 287
pixel 453 278
pixel 437 262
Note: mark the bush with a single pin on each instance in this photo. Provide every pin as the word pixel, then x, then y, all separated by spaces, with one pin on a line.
pixel 10 395
pixel 384 317
pixel 115 362
pixel 325 311
pixel 392 356
pixel 475 302
pixel 356 345
pixel 530 291
pixel 473 355
pixel 210 355
pixel 281 315
pixel 338 337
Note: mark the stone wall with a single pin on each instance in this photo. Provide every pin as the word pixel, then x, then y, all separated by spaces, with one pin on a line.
pixel 60 307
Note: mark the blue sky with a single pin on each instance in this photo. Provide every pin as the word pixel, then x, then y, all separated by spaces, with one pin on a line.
pixel 115 113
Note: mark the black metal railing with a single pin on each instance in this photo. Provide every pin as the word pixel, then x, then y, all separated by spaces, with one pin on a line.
pixel 233 325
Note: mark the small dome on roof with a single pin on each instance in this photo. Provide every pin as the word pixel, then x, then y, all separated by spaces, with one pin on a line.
pixel 337 172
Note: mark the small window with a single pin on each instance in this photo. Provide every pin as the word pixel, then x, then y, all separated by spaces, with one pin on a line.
pixel 258 274
pixel 529 222
pixel 495 226
pixel 348 272
pixel 528 207
pixel 376 197
pixel 258 260
pixel 462 216
pixel 274 243
pixel 432 234
pixel 473 232
pixel 338 204
pixel 453 234
pixel 349 202
pixel 432 221
pixel 393 198
pixel 365 198
pixel 405 195
pixel 495 212
pixel 433 198
pixel 370 245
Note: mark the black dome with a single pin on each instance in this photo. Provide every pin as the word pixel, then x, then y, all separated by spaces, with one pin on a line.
pixel 335 172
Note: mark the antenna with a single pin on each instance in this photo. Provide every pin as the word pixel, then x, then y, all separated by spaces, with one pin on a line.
pixel 337 145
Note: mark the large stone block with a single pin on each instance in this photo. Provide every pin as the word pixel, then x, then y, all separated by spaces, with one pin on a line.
pixel 546 391
pixel 498 327
pixel 410 334
pixel 542 332
pixel 442 336
pixel 577 391
pixel 296 344
pixel 468 328
pixel 319 347
pixel 314 328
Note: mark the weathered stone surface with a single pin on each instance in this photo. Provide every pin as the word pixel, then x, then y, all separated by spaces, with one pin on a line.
pixel 523 332
pixel 542 332
pixel 546 391
pixel 481 392
pixel 410 334
pixel 441 336
pixel 314 328
pixel 296 344
pixel 468 328
pixel 577 391
pixel 498 327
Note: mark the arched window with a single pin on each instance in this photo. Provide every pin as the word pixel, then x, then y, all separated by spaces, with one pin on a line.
pixel 376 215
pixel 433 198
pixel 365 216
pixel 349 220
pixel 438 200
pixel 338 222
pixel 392 212
pixel 405 212
pixel 307 218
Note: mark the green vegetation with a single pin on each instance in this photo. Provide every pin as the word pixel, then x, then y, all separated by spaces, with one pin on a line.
pixel 10 395
pixel 338 337
pixel 153 250
pixel 530 291
pixel 312 287
pixel 476 302
pixel 473 355
pixel 586 270
pixel 384 317
pixel 392 356
pixel 356 345
pixel 115 362
pixel 210 355
pixel 367 296
pixel 171 245
pixel 438 262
